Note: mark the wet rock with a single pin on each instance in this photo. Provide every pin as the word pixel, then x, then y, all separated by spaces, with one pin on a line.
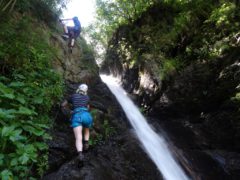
pixel 230 161
pixel 78 66
pixel 190 147
pixel 117 155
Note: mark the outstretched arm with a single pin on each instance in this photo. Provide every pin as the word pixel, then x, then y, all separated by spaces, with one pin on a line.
pixel 65 108
pixel 66 19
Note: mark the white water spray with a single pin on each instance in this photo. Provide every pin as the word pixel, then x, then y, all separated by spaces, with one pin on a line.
pixel 154 145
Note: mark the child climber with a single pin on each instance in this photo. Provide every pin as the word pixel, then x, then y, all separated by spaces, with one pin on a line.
pixel 72 31
pixel 81 118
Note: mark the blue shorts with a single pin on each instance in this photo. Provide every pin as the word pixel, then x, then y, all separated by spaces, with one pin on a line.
pixel 81 117
pixel 75 31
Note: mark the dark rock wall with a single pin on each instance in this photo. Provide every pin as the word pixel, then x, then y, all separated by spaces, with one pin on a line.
pixel 202 96
pixel 114 153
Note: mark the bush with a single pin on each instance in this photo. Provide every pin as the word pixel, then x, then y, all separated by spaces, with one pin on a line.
pixel 28 89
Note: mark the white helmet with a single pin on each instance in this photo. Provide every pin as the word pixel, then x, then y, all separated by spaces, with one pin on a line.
pixel 82 89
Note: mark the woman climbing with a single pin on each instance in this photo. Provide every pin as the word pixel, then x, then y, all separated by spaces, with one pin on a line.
pixel 81 118
pixel 71 32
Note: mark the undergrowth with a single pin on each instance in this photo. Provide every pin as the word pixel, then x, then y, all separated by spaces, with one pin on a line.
pixel 28 89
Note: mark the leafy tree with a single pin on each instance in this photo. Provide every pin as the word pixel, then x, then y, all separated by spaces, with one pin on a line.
pixel 46 10
pixel 110 15
pixel 181 32
pixel 121 11
pixel 113 13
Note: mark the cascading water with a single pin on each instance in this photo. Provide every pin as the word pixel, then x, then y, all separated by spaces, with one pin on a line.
pixel 154 145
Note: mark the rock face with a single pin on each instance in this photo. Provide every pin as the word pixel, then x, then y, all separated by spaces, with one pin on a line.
pixel 197 106
pixel 115 153
pixel 78 66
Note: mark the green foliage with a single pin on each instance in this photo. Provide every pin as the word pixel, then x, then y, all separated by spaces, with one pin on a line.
pixel 7 6
pixel 169 66
pixel 214 34
pixel 44 10
pixel 180 33
pixel 106 129
pixel 236 97
pixel 121 11
pixel 221 16
pixel 113 13
pixel 96 140
pixel 28 89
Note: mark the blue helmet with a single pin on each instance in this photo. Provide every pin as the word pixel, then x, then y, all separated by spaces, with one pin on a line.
pixel 75 18
pixel 76 22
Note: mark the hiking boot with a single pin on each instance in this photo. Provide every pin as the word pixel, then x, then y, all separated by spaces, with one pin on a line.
pixel 80 156
pixel 65 36
pixel 70 50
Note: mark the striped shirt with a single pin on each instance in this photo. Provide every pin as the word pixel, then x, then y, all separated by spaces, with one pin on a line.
pixel 79 100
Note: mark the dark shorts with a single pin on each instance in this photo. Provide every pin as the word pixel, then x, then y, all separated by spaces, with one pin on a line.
pixel 73 32
pixel 81 117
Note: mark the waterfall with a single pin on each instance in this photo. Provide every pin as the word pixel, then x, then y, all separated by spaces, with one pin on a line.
pixel 154 145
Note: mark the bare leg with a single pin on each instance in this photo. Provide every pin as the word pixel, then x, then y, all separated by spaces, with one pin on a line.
pixel 86 139
pixel 86 134
pixel 65 29
pixel 72 42
pixel 78 136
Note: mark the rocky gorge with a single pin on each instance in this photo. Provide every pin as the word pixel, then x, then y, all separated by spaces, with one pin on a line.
pixel 195 103
pixel 194 106
pixel 185 108
pixel 179 62
pixel 115 152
